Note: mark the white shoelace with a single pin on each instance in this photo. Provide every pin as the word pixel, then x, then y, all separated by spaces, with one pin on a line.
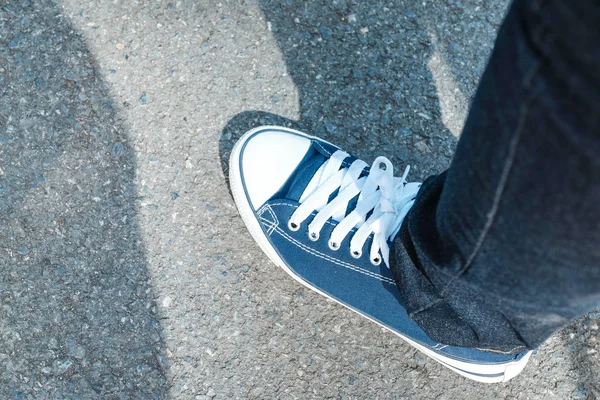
pixel 390 198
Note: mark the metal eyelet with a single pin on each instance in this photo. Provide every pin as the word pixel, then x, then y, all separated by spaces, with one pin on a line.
pixel 356 254
pixel 334 246
pixel 314 236
pixel 382 166
pixel 292 226
pixel 376 261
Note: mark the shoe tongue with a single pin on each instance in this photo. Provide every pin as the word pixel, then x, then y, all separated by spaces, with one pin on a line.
pixel 410 188
pixel 314 158
pixel 297 182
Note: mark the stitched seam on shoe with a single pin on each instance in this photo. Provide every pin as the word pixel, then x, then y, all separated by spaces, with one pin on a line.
pixel 271 225
pixel 320 146
pixel 275 219
pixel 274 216
pixel 519 348
pixel 261 210
pixel 268 224
pixel 333 260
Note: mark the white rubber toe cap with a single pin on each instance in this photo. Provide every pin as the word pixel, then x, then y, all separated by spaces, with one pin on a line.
pixel 267 158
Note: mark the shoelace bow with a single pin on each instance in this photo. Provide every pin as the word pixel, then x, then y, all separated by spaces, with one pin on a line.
pixel 388 197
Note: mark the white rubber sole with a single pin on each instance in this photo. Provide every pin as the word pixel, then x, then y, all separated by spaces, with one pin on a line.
pixel 486 373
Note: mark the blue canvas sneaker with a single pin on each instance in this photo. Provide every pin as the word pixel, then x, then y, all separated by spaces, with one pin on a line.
pixel 328 219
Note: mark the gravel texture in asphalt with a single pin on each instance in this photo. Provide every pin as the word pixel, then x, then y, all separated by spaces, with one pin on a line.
pixel 125 270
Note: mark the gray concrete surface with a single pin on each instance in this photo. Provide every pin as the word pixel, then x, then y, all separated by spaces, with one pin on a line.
pixel 125 271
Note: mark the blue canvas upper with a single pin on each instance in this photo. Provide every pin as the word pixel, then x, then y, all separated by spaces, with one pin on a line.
pixel 357 283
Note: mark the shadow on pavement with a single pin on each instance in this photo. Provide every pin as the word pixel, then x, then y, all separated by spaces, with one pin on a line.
pixel 77 317
pixel 361 70
pixel 581 344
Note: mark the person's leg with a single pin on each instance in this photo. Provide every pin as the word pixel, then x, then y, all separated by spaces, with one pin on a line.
pixel 503 248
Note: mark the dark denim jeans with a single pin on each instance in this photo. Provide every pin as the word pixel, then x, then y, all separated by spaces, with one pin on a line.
pixel 503 248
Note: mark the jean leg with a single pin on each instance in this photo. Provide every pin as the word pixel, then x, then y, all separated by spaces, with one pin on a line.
pixel 503 249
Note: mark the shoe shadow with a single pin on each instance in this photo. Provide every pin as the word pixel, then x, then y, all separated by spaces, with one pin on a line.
pixel 364 84
pixel 78 315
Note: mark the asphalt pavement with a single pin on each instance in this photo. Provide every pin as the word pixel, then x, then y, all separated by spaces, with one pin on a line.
pixel 125 270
